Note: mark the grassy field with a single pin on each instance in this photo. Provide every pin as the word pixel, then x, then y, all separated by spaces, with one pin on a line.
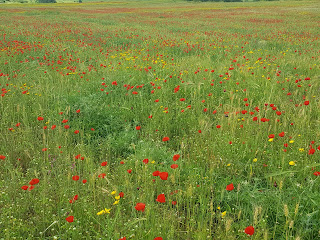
pixel 131 120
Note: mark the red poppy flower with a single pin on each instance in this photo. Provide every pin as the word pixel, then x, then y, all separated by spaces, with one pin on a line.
pixel 78 111
pixel 271 136
pixel 84 181
pixel 124 238
pixel 199 131
pixel 75 178
pixel 70 219
pixel 129 170
pixel 218 126
pixel 2 157
pixel 176 157
pixel 138 127
pixel 18 124
pixel 311 151
pixel 230 187
pixel 140 207
pixel 281 134
pixel 306 103
pixel 165 139
pixel 121 194
pixel 25 187
pixel 76 131
pixel 163 175
pixel 40 118
pixel 30 188
pixel 158 238
pixel 34 181
pixel 66 126
pixel 155 173
pixel 174 166
pixel 53 127
pixel 161 198
pixel 102 175
pixel 316 173
pixel 174 202
pixel 104 164
pixel 145 161
pixel 249 230
pixel 65 120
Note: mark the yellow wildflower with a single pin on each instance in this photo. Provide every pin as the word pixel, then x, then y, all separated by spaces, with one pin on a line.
pixel 292 163
pixel 113 193
pixel 270 140
pixel 223 214
pixel 255 160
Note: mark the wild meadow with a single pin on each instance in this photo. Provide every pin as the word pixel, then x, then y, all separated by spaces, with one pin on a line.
pixel 160 120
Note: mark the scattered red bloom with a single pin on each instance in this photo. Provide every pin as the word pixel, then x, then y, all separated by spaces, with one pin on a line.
pixel 140 207
pixel 311 151
pixel 161 198
pixel 230 187
pixel 174 166
pixel 138 127
pixel 75 178
pixel 104 164
pixel 271 136
pixel 25 187
pixel 145 161
pixel 70 219
pixel 65 120
pixel 84 181
pixel 165 139
pixel 34 181
pixel 78 111
pixel 53 127
pixel 316 173
pixel 124 238
pixel 176 157
pixel 121 194
pixel 174 202
pixel 155 173
pixel 249 230
pixel 102 175
pixel 66 126
pixel 40 118
pixel 129 170
pixel 218 126
pixel 163 175
pixel 306 103
pixel 281 134
pixel 76 131
pixel 158 238
pixel 2 157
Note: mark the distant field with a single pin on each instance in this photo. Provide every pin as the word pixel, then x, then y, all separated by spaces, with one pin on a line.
pixel 160 120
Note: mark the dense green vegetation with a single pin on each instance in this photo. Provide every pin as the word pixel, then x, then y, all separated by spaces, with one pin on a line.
pixel 162 121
